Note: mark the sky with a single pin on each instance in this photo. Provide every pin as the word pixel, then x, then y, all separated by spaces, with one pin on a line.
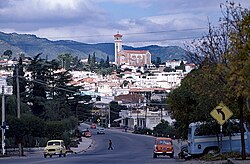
pixel 141 22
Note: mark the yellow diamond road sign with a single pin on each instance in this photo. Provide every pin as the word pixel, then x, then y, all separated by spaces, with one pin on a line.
pixel 221 113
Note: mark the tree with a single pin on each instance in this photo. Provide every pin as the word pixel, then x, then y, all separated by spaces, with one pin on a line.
pixel 89 59
pixel 66 60
pixel 115 108
pixel 227 50
pixel 8 53
pixel 102 64
pixel 181 66
pixel 239 60
pixel 164 129
pixel 107 62
pixel 200 92
pixel 158 62
pixel 19 71
pixel 48 83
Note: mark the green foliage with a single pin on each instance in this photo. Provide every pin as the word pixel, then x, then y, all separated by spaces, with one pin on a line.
pixel 200 92
pixel 181 67
pixel 115 108
pixel 107 62
pixel 144 131
pixel 30 129
pixel 164 129
pixel 8 53
pixel 223 156
pixel 65 60
pixel 223 58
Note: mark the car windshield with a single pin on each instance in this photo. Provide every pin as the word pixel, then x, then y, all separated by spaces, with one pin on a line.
pixel 53 143
pixel 85 130
pixel 163 142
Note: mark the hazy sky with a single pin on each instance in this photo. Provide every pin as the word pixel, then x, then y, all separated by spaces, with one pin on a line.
pixel 142 22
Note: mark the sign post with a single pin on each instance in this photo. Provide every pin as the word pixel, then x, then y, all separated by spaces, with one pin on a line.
pixel 3 122
pixel 221 114
pixel 5 90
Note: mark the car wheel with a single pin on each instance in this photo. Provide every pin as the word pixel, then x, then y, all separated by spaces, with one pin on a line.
pixel 60 155
pixel 45 156
pixel 154 156
pixel 211 150
pixel 50 156
pixel 64 155
pixel 172 155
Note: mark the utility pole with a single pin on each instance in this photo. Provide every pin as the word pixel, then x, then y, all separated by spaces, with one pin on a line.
pixel 3 122
pixel 109 116
pixel 18 105
pixel 146 110
pixel 17 93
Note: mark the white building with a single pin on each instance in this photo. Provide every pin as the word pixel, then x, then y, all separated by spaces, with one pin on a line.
pixel 174 63
pixel 143 118
pixel 130 57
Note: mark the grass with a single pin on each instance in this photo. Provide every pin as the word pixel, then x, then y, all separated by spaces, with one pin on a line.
pixel 223 156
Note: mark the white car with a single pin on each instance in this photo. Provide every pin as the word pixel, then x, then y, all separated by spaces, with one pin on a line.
pixel 100 131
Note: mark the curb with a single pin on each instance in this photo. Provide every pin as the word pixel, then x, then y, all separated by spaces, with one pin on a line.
pixel 84 149
pixel 232 161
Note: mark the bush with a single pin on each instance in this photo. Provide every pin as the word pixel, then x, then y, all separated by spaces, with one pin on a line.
pixel 143 131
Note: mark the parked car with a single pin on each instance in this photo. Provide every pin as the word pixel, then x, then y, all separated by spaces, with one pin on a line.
pixel 55 147
pixel 93 126
pixel 163 146
pixel 86 133
pixel 100 131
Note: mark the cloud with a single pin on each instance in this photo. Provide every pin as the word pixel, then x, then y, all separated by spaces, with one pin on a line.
pixel 35 14
pixel 92 21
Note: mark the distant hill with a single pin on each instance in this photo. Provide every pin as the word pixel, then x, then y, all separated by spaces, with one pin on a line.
pixel 32 45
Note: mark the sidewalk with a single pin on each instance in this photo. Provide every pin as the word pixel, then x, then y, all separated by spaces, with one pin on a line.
pixel 83 146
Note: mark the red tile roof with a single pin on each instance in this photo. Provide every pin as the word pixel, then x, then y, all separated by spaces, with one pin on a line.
pixel 130 98
pixel 118 35
pixel 136 51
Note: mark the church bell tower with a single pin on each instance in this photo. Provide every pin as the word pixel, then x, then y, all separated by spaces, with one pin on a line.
pixel 118 45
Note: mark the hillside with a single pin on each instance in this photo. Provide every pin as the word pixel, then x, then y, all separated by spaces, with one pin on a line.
pixel 32 45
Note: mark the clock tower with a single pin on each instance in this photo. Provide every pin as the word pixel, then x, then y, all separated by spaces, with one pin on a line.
pixel 118 45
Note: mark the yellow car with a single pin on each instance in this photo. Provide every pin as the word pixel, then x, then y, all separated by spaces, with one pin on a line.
pixel 55 147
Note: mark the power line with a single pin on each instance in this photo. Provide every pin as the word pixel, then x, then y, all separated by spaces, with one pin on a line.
pixel 167 39
pixel 79 43
pixel 135 33
pixel 129 34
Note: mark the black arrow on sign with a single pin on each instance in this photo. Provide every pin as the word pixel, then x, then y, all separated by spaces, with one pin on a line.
pixel 219 111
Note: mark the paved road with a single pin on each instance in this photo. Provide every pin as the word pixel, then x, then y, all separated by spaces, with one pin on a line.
pixel 128 148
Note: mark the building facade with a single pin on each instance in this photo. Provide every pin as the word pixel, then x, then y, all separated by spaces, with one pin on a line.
pixel 138 58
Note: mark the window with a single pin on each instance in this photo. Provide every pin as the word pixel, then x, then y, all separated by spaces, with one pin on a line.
pixel 53 143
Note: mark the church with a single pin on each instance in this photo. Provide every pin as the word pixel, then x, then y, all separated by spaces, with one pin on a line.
pixel 130 57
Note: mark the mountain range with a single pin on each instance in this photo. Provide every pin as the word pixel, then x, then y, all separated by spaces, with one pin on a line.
pixel 31 45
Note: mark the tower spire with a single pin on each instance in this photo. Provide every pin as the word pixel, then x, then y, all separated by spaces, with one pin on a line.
pixel 118 45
